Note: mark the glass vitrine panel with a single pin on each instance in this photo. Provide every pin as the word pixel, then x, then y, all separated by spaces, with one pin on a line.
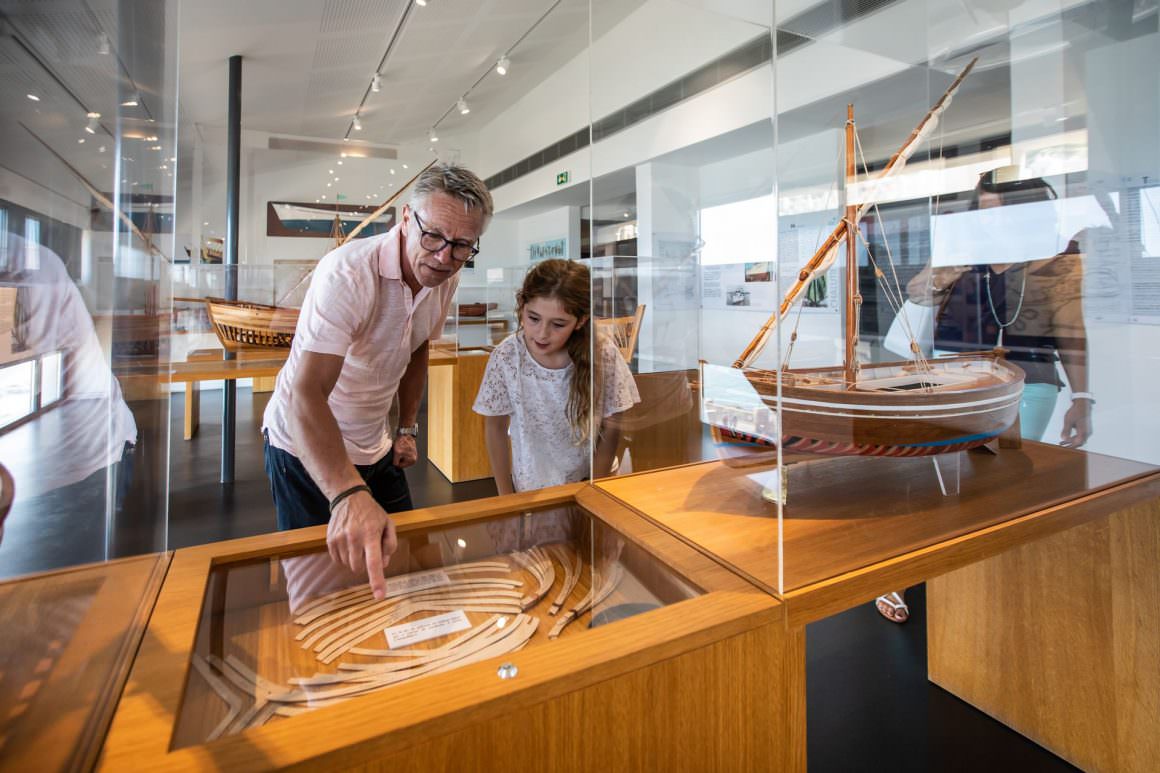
pixel 280 637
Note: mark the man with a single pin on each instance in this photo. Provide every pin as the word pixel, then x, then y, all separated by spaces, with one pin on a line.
pixel 362 338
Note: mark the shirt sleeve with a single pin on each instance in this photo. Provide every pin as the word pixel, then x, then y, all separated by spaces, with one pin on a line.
pixel 620 392
pixel 334 310
pixel 494 396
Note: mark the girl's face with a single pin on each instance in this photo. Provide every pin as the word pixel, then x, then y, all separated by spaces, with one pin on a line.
pixel 547 326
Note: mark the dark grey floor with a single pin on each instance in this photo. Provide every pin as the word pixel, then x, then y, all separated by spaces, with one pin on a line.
pixel 870 706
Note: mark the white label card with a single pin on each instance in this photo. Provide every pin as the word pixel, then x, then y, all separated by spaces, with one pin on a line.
pixel 397 586
pixel 427 628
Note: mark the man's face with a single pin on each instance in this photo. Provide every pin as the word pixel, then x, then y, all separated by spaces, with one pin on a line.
pixel 443 217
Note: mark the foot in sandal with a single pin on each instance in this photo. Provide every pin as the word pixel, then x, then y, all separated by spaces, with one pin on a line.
pixel 893 607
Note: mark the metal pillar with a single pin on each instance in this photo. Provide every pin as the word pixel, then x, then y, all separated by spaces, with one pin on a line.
pixel 230 258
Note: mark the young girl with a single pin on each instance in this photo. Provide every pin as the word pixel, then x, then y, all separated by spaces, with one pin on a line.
pixel 538 386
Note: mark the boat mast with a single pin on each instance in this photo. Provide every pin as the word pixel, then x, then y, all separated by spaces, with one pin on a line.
pixel 826 254
pixel 853 299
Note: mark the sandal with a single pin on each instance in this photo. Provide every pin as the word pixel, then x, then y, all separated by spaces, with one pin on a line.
pixel 892 607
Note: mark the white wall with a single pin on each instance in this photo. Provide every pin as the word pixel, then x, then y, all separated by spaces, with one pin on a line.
pixel 635 58
pixel 282 175
pixel 559 223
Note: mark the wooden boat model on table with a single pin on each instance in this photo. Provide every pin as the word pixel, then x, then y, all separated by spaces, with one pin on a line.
pixel 242 325
pixel 919 407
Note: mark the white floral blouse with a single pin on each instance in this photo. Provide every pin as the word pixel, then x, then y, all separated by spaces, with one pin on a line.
pixel 536 398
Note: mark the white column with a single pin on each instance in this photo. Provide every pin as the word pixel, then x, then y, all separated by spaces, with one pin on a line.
pixel 668 204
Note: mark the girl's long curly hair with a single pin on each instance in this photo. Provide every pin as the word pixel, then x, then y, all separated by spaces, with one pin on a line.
pixel 570 284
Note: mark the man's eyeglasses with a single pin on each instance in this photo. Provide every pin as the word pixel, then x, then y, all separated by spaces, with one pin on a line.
pixel 434 242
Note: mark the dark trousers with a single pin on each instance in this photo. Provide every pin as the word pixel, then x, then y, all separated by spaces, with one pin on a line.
pixel 300 502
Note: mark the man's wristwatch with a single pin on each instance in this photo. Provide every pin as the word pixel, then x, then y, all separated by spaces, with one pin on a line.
pixel 412 430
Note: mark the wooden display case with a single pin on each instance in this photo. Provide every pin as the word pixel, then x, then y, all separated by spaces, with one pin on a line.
pixel 68 642
pixel 680 664
pixel 455 433
pixel 1046 553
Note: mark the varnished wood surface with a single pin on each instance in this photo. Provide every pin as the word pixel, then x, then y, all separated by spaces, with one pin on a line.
pixel 193 385
pixel 848 515
pixel 718 708
pixel 67 645
pixel 553 677
pixel 439 356
pixel 1060 640
pixel 211 370
pixel 455 442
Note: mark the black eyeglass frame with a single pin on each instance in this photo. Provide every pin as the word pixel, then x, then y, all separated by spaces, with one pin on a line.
pixel 444 241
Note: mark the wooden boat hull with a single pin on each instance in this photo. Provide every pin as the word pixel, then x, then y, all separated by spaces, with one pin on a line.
pixel 962 403
pixel 243 325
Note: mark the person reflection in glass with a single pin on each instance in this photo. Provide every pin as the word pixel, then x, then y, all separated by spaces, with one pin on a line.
pixel 1033 309
pixel 66 457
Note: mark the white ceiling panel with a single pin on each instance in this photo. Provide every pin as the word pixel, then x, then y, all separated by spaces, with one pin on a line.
pixel 359 15
pixel 350 51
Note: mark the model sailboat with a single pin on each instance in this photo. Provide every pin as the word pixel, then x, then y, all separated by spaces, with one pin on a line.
pixel 918 407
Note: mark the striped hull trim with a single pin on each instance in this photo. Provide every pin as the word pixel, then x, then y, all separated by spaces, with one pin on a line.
pixel 834 448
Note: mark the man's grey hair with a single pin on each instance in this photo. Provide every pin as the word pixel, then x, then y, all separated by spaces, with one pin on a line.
pixel 456 181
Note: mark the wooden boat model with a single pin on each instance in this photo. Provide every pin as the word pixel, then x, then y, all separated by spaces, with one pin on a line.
pixel 242 325
pixel 919 407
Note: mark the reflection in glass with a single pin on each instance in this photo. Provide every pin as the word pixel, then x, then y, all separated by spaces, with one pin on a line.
pixel 68 425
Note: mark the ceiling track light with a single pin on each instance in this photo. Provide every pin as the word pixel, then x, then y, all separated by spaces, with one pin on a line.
pixel 377 83
pixel 432 136
pixel 462 106
pixel 103 47
pixel 356 124
pixel 92 126
pixel 421 3
pixel 503 65
pixel 133 100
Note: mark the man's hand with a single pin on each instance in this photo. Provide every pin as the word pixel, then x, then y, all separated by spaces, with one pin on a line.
pixel 361 536
pixel 944 277
pixel 1077 424
pixel 405 451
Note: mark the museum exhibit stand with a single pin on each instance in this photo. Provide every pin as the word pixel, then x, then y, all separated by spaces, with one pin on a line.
pixel 641 622
pixel 597 616
pixel 1043 588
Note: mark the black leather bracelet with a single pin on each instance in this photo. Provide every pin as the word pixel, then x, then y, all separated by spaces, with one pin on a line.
pixel 343 495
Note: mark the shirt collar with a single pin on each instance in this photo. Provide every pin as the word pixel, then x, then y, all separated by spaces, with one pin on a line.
pixel 390 253
pixel 391 260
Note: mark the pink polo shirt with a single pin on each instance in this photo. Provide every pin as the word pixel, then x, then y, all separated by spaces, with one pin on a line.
pixel 359 307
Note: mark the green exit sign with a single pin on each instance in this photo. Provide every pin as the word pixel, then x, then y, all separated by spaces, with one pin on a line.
pixel 562 178
pixel 340 197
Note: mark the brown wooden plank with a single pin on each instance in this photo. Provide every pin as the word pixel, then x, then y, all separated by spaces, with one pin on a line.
pixel 644 721
pixel 70 637
pixel 846 514
pixel 455 442
pixel 223 369
pixel 1060 640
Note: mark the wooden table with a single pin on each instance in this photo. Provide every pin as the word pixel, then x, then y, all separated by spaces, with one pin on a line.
pixel 210 365
pixel 1047 555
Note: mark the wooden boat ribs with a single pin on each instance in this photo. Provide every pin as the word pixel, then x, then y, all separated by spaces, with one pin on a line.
pixel 507 599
